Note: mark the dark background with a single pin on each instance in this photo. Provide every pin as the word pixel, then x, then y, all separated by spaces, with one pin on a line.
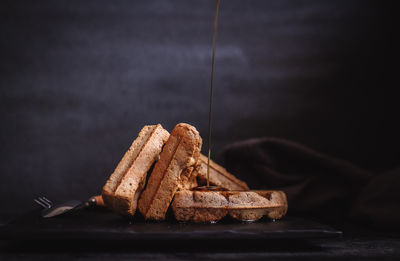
pixel 78 80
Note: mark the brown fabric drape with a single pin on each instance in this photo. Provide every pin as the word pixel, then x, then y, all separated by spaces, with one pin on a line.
pixel 316 184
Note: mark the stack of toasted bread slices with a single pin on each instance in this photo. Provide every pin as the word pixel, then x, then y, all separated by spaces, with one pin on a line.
pixel 178 168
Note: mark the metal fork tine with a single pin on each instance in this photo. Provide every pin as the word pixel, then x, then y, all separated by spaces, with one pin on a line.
pixel 44 202
pixel 47 200
pixel 41 203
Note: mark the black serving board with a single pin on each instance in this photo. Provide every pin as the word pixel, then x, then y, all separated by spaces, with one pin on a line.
pixel 98 224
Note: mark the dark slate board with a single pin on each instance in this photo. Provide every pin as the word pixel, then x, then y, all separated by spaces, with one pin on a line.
pixel 100 224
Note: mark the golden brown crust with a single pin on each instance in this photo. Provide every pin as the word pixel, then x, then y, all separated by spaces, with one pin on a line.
pixel 174 168
pixel 122 189
pixel 219 176
pixel 123 166
pixel 197 206
pixel 209 206
pixel 278 198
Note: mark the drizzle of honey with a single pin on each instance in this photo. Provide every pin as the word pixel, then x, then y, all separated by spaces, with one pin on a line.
pixel 211 88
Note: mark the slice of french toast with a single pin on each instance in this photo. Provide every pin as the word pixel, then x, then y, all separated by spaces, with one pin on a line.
pixel 211 206
pixel 122 189
pixel 177 160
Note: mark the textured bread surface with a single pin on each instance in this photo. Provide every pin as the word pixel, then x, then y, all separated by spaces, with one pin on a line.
pixel 115 179
pixel 218 176
pixel 122 189
pixel 189 180
pixel 279 204
pixel 209 206
pixel 172 171
pixel 199 207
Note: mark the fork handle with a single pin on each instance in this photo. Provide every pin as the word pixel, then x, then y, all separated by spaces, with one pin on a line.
pixel 96 201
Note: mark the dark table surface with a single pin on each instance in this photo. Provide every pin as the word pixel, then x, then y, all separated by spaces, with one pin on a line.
pixel 351 247
pixel 319 241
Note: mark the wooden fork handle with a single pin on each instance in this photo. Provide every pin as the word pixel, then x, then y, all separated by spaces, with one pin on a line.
pixel 96 201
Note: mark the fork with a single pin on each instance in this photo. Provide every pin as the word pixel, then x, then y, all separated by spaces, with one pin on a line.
pixel 51 210
pixel 44 202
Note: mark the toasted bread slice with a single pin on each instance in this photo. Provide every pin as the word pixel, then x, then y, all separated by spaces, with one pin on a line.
pixel 122 189
pixel 199 206
pixel 211 206
pixel 218 176
pixel 173 170
pixel 253 205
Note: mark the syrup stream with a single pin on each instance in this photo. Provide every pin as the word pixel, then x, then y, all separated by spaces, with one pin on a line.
pixel 211 89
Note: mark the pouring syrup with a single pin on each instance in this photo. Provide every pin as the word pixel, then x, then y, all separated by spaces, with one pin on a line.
pixel 211 89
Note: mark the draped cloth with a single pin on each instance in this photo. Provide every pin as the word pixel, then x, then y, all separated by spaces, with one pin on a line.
pixel 316 184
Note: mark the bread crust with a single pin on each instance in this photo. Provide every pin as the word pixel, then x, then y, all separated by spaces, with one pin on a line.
pixel 211 206
pixel 197 206
pixel 219 176
pixel 173 170
pixel 122 189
